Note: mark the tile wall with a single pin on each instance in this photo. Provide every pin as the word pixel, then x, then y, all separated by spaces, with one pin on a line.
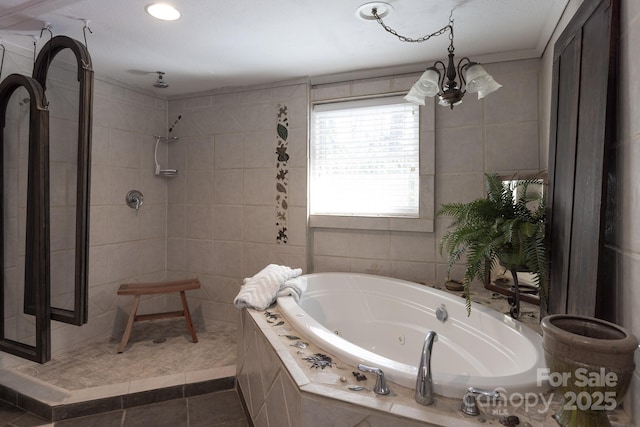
pixel 125 245
pixel 497 134
pixel 222 206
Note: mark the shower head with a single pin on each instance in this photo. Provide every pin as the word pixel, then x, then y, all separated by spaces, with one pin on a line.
pixel 160 83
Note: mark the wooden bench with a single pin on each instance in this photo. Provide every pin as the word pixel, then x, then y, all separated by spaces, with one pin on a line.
pixel 139 289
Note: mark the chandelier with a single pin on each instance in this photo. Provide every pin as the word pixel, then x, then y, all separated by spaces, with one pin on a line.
pixel 450 82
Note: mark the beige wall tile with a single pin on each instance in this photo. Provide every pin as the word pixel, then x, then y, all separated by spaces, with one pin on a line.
pixel 516 101
pixel 123 224
pixel 125 149
pixel 153 221
pixel 258 224
pixel 331 242
pixel 259 186
pixel 229 151
pixel 227 222
pixel 199 187
pixel 199 222
pixel 460 150
pixel 259 149
pixel 452 188
pixel 512 147
pixel 228 185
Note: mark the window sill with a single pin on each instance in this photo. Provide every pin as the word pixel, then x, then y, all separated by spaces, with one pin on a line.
pixel 420 225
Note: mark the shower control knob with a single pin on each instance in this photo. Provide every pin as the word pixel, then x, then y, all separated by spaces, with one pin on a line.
pixel 134 199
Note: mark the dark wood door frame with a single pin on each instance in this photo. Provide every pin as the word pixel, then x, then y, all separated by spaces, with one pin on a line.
pixel 582 134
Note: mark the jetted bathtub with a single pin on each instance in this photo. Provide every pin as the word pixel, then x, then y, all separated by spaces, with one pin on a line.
pixel 382 322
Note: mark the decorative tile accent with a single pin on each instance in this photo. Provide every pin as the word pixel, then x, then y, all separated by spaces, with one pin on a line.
pixel 282 181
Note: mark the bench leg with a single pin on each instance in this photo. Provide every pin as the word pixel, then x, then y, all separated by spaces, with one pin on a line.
pixel 132 318
pixel 187 316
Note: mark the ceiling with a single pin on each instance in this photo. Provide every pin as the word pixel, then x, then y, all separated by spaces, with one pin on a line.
pixel 244 42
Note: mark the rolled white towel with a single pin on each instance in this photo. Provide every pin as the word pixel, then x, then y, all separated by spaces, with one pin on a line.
pixel 293 287
pixel 259 292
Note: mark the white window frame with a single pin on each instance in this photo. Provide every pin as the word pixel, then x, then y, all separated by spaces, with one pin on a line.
pixel 414 222
pixel 380 160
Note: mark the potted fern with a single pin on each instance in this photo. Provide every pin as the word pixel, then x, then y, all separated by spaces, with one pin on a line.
pixel 506 227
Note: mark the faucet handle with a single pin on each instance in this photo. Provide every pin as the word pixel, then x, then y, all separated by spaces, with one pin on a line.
pixel 381 383
pixel 469 404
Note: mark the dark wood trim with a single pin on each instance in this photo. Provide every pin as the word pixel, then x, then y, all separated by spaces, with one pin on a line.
pixel 582 172
pixel 79 315
pixel 37 264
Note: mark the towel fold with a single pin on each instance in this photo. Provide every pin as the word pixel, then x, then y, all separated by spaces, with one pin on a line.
pixel 260 291
pixel 293 287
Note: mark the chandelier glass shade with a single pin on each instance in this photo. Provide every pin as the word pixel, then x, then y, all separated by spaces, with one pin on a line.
pixel 450 83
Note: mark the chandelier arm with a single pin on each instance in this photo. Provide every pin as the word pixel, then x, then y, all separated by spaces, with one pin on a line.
pixel 441 75
pixel 461 67
pixel 374 12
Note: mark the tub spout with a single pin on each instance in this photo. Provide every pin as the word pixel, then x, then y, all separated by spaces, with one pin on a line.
pixel 424 382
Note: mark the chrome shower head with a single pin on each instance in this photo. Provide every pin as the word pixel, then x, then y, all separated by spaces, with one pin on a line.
pixel 160 83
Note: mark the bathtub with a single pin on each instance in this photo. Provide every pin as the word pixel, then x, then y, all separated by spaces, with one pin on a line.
pixel 382 322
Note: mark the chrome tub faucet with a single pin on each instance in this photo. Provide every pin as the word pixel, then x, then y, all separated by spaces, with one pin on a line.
pixel 424 382
pixel 381 384
pixel 470 406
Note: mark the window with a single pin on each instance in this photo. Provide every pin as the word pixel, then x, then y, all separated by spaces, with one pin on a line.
pixel 364 158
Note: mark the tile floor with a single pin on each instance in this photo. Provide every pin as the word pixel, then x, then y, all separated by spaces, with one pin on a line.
pixel 161 379
pixel 219 409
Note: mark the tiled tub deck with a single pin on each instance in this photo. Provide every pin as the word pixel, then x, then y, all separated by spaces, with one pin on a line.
pixel 281 389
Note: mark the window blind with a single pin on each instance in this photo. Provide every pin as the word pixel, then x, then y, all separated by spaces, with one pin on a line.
pixel 364 158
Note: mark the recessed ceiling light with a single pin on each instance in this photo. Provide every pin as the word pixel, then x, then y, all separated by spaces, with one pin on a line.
pixel 162 11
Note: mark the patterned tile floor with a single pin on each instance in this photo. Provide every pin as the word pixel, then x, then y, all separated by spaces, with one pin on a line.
pixel 159 354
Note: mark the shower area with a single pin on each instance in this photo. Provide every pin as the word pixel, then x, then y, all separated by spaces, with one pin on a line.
pixel 70 240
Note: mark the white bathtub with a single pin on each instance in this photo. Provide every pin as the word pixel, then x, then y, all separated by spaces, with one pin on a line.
pixel 382 322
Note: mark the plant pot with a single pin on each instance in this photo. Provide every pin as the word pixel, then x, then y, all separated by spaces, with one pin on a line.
pixel 591 362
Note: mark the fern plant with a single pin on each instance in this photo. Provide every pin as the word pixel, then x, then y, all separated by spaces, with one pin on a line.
pixel 506 227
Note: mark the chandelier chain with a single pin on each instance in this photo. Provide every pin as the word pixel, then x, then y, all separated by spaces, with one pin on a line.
pixel 441 31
